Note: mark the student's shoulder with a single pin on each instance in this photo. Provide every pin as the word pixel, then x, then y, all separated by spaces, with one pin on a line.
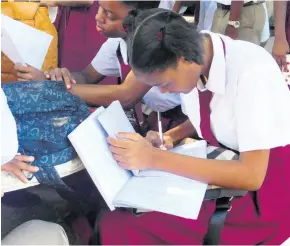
pixel 253 59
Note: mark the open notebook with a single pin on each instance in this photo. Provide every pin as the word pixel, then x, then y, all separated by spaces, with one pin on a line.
pixel 146 190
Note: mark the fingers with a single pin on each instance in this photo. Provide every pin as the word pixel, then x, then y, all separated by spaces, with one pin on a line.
pixel 129 136
pixel 168 145
pixel 154 138
pixel 60 74
pixel 22 69
pixel 11 168
pixel 56 75
pixel 21 164
pixel 25 158
pixel 118 151
pixel 119 158
pixel 119 143
pixel 46 74
pixel 24 76
pixel 281 61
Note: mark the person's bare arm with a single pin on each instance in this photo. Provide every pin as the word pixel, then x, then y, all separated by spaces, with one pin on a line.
pixel 133 152
pixel 128 93
pixel 88 76
pixel 281 46
pixel 247 173
pixel 177 6
pixel 235 15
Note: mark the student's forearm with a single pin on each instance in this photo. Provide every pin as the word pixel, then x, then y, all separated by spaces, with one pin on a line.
pixel 177 6
pixel 230 174
pixel 280 19
pixel 182 131
pixel 86 78
pixel 100 95
pixel 236 8
pixel 104 95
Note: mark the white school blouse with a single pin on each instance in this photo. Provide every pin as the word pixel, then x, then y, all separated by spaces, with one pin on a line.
pixel 9 141
pixel 250 108
pixel 106 62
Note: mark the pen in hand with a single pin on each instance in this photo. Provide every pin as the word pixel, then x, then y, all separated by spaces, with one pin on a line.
pixel 160 131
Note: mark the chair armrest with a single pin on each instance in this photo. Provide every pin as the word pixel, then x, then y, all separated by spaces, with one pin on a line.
pixel 214 194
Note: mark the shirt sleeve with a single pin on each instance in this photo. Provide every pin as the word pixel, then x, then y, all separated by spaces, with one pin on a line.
pixel 9 141
pixel 162 102
pixel 262 109
pixel 106 61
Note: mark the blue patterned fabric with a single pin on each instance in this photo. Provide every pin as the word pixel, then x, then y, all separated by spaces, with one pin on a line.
pixel 45 113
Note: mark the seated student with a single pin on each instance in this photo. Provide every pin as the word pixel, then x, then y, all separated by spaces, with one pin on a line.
pixel 32 232
pixel 235 96
pixel 10 160
pixel 111 60
pixel 282 32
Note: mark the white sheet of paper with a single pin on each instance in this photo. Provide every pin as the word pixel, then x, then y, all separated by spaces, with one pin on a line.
pixel 114 120
pixel 31 44
pixel 89 140
pixel 180 197
pixel 9 49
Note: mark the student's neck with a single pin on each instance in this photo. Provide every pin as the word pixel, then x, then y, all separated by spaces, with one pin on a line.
pixel 208 55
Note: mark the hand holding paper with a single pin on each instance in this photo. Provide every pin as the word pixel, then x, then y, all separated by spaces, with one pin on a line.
pixel 23 44
pixel 27 72
pixel 132 151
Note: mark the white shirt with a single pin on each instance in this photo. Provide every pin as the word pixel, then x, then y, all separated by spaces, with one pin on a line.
pixel 9 141
pixel 52 11
pixel 250 105
pixel 229 2
pixel 206 14
pixel 169 4
pixel 106 62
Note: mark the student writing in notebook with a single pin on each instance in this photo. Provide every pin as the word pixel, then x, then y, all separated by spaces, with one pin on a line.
pixel 241 102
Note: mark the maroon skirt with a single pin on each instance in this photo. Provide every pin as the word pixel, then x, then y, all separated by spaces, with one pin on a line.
pixel 260 217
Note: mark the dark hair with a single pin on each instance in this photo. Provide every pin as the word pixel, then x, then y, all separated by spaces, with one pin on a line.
pixel 142 4
pixel 158 38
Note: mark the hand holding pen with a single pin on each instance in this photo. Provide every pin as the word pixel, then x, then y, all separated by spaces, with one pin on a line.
pixel 160 131
pixel 158 139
